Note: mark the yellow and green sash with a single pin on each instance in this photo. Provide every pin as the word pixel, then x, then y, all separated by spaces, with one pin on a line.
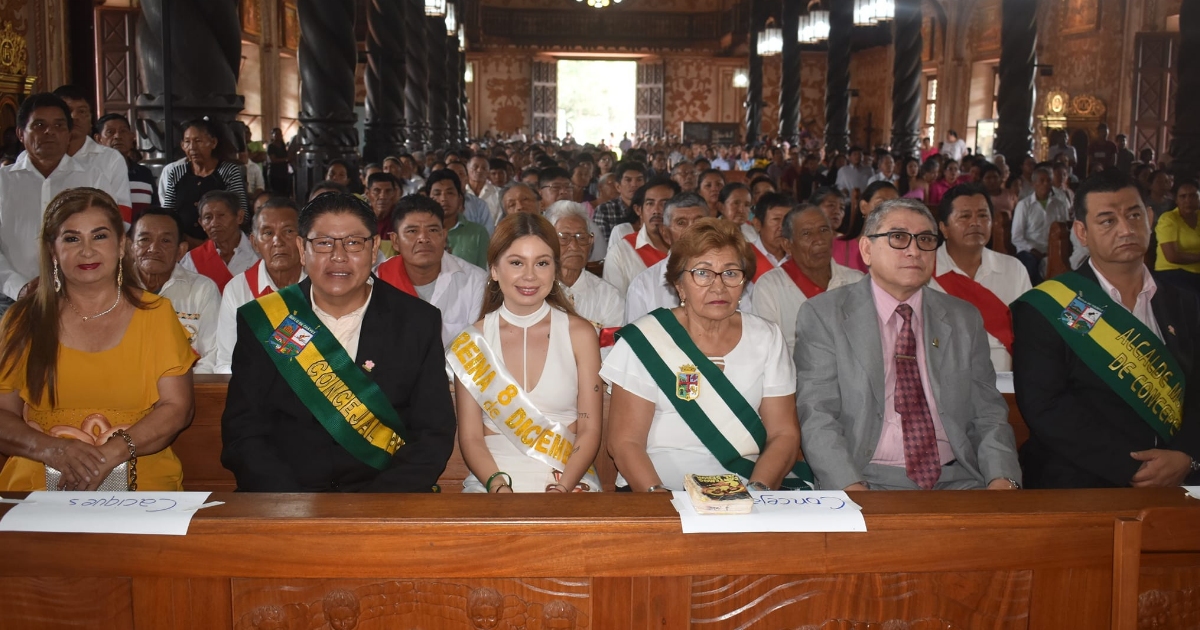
pixel 1118 347
pixel 703 396
pixel 340 394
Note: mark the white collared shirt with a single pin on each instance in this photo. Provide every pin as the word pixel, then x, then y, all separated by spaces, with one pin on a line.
pixel 777 298
pixel 1031 222
pixel 237 292
pixel 623 262
pixel 244 257
pixel 491 196
pixel 596 301
pixel 1001 274
pixel 649 291
pixel 111 166
pixel 458 294
pixel 197 303
pixel 1141 308
pixel 24 196
pixel 347 328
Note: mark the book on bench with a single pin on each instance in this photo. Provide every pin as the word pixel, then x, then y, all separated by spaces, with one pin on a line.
pixel 718 494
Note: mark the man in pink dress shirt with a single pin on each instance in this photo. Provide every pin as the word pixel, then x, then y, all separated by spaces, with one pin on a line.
pixel 895 386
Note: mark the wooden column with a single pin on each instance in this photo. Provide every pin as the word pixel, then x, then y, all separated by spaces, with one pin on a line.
pixel 385 79
pixel 204 60
pixel 453 90
pixel 435 33
pixel 416 88
pixel 789 80
pixel 465 124
pixel 1018 58
pixel 837 78
pixel 906 83
pixel 271 42
pixel 754 102
pixel 1185 146
pixel 327 59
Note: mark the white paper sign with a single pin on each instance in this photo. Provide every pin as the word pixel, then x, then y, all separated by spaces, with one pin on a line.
pixel 1193 491
pixel 1004 383
pixel 785 511
pixel 104 512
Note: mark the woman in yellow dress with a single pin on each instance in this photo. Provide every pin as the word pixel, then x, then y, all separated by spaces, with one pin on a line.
pixel 93 369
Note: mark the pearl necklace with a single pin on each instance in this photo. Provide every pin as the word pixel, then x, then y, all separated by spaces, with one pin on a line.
pixel 102 314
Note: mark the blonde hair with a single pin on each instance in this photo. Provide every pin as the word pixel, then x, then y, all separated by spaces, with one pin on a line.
pixel 511 228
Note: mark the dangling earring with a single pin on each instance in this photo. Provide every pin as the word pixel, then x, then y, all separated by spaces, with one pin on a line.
pixel 57 282
pixel 683 302
pixel 120 275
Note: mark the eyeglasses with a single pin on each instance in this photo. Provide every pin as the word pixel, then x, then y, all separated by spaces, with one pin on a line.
pixel 579 237
pixel 325 244
pixel 705 277
pixel 558 188
pixel 901 240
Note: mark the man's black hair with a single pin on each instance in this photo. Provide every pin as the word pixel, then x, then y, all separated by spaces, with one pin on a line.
pixel 962 190
pixel 413 204
pixel 37 101
pixel 336 203
pixel 639 197
pixel 157 211
pixel 1107 181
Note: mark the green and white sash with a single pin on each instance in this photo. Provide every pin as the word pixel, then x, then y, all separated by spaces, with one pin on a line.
pixel 704 397
pixel 1117 346
pixel 343 398
pixel 513 413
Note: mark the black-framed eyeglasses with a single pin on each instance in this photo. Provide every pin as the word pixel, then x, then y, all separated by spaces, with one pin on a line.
pixel 558 188
pixel 579 237
pixel 901 240
pixel 729 277
pixel 325 244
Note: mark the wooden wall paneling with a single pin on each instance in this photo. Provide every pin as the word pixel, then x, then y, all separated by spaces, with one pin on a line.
pixel 650 101
pixel 612 602
pixel 1154 80
pixel 1073 597
pixel 117 84
pixel 1127 549
pixel 544 99
pixel 961 600
pixel 1168 588
pixel 54 603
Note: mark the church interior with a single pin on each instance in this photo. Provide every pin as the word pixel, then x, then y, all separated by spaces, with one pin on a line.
pixel 353 82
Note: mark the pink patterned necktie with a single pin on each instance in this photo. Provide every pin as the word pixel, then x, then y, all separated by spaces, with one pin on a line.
pixel 921 460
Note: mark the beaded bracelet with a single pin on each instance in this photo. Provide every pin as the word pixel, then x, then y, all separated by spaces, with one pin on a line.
pixel 488 486
pixel 132 476
pixel 556 485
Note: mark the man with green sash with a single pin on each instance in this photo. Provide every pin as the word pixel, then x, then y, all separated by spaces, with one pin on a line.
pixel 338 383
pixel 1104 358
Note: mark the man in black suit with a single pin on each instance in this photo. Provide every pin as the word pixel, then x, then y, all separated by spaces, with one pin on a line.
pixel 1090 426
pixel 339 382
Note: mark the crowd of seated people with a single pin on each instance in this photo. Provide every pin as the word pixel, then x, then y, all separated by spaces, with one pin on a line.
pixel 810 322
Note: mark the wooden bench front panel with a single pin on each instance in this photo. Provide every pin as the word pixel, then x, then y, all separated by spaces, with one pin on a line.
pixel 1036 560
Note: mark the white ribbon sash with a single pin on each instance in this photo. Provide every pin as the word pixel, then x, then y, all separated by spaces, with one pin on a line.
pixel 711 403
pixel 511 410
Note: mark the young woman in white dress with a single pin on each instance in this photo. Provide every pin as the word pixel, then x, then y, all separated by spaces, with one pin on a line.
pixel 552 354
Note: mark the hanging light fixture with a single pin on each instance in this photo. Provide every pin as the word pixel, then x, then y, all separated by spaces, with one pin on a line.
pixel 814 27
pixel 462 39
pixel 600 4
pixel 451 21
pixel 770 39
pixel 741 78
pixel 469 72
pixel 435 8
pixel 885 10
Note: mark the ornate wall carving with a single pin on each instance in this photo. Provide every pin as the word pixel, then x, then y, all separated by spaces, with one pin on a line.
pixel 503 604
pixel 1084 62
pixel 691 91
pixel 772 69
pixel 503 86
pixel 892 601
pixel 871 75
pixel 984 32
pixel 812 93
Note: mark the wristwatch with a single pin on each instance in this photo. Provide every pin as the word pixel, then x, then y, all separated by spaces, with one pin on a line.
pixel 1015 485
pixel 1194 465
pixel 758 485
pixel 658 487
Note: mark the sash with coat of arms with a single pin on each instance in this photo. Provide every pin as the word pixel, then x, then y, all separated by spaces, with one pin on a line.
pixel 1118 347
pixel 342 397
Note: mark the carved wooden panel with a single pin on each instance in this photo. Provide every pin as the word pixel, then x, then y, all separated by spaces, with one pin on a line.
pixel 650 102
pixel 545 98
pixel 1154 80
pixel 1168 598
pixel 116 56
pixel 54 602
pixel 495 604
pixel 894 601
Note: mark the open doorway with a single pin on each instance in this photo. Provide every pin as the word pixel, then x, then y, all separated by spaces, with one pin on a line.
pixel 596 100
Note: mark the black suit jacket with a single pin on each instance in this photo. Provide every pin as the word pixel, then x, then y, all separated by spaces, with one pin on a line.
pixel 272 443
pixel 1081 431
